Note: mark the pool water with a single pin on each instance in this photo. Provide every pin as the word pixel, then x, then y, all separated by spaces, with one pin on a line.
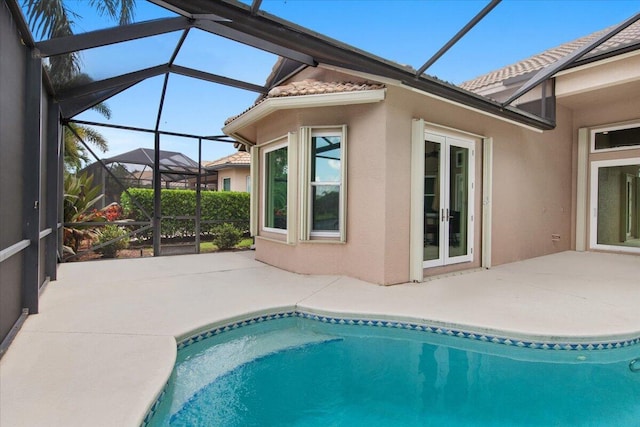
pixel 300 372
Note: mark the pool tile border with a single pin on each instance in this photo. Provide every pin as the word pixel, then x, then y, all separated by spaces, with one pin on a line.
pixel 424 327
pixel 363 321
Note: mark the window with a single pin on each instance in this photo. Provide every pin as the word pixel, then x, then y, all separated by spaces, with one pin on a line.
pixel 325 182
pixel 276 169
pixel 226 184
pixel 248 183
pixel 616 138
pixel 324 178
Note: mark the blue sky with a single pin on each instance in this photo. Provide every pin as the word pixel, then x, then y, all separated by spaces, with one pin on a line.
pixel 407 32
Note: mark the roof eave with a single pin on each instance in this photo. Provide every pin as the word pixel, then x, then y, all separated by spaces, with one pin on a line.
pixel 271 105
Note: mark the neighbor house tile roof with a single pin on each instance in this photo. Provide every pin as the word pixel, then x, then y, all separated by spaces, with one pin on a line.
pixel 311 87
pixel 628 37
pixel 241 158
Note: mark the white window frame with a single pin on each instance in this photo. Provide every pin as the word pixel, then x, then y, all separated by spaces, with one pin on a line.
pixel 306 184
pixel 593 205
pixel 609 129
pixel 273 146
pixel 223 180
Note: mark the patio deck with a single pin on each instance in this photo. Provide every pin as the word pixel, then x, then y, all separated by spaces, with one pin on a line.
pixel 104 342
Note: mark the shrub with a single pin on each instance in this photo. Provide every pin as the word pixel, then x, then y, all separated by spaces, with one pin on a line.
pixel 110 232
pixel 217 207
pixel 226 236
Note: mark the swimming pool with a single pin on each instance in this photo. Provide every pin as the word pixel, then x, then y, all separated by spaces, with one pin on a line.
pixel 299 372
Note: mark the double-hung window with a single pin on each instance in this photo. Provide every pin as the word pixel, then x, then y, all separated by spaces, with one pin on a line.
pixel 323 205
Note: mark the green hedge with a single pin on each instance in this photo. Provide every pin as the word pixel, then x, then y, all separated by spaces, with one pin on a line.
pixel 216 206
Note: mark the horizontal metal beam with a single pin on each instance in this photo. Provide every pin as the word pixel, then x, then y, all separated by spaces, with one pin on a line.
pixel 219 29
pixel 92 39
pixel 214 78
pixel 569 59
pixel 488 8
pixel 14 249
pixel 74 106
pixel 287 35
pixel 114 82
pixel 45 233
pixel 122 82
pixel 223 138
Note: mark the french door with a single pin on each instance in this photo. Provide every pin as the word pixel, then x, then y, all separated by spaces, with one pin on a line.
pixel 448 200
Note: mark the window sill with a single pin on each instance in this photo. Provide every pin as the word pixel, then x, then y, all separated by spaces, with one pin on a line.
pixel 272 240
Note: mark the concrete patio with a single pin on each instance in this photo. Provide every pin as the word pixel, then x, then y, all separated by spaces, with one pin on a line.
pixel 104 342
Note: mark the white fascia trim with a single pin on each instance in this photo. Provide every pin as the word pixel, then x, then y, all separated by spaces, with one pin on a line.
pixel 397 83
pixel 271 105
pixel 476 110
pixel 598 63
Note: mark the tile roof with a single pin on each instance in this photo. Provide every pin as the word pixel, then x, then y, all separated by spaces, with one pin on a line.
pixel 241 158
pixel 628 37
pixel 311 87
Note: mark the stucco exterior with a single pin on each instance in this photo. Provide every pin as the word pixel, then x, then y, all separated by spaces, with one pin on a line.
pixel 533 176
pixel 238 176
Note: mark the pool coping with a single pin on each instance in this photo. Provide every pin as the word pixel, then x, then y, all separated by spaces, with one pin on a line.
pixel 560 343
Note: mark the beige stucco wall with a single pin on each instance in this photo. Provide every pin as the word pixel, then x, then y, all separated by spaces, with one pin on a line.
pixel 363 255
pixel 532 187
pixel 531 177
pixel 534 178
pixel 238 177
pixel 532 191
pixel 602 113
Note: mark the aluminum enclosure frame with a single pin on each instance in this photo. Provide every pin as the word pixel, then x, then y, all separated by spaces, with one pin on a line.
pixel 45 110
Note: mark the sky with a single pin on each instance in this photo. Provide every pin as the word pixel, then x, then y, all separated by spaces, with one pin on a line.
pixel 405 31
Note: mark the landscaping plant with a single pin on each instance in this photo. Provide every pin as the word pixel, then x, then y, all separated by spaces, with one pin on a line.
pixel 226 236
pixel 110 232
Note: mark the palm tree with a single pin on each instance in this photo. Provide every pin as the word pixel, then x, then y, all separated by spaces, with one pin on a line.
pixel 75 155
pixel 52 18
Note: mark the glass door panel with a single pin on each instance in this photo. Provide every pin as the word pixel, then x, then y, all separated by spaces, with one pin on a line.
pixel 432 180
pixel 459 201
pixel 618 207
pixel 448 201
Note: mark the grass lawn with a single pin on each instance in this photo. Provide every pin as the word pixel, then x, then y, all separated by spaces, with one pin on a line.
pixel 210 247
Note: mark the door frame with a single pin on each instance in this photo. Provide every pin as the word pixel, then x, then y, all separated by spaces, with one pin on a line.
pixel 416 243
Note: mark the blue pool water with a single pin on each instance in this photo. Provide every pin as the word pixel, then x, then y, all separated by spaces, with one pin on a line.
pixel 300 372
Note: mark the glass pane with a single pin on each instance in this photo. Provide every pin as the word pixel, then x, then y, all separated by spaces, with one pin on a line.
pixel 617 138
pixel 619 205
pixel 431 201
pixel 326 207
pixel 458 201
pixel 325 164
pixel 276 189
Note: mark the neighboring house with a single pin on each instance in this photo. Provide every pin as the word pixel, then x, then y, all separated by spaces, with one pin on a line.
pixel 369 176
pixel 233 171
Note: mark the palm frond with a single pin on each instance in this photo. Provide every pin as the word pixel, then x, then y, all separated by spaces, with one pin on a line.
pixel 118 10
pixel 103 109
